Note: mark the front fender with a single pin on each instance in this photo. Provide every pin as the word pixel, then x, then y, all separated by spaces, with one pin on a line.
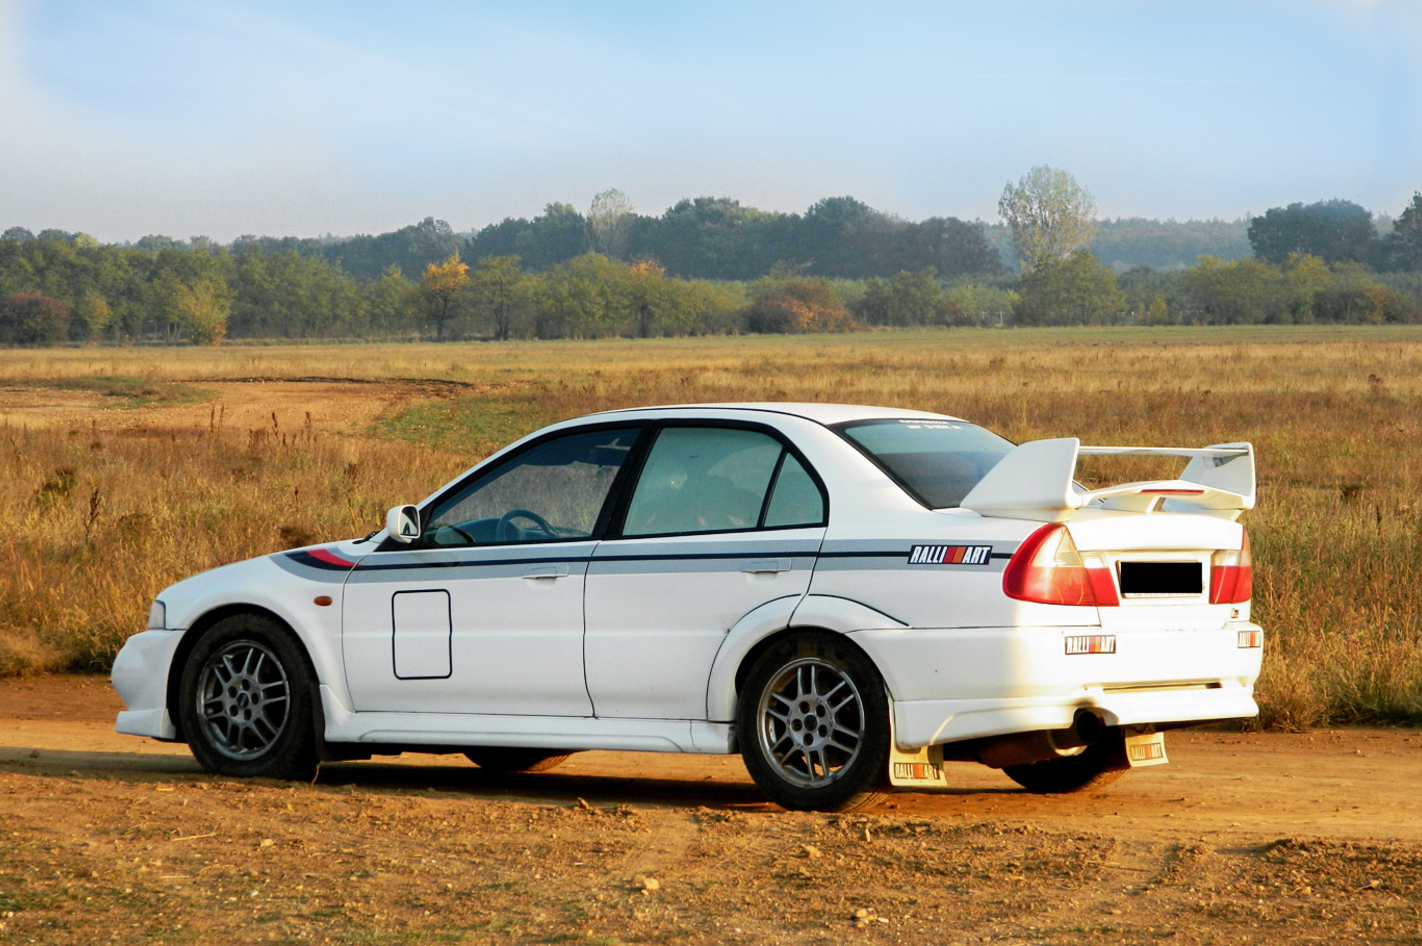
pixel 261 583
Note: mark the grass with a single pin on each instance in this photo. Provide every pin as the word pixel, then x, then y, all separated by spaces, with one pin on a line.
pixel 104 517
pixel 124 392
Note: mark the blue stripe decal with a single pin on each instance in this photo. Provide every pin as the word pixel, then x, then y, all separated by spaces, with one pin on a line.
pixel 310 561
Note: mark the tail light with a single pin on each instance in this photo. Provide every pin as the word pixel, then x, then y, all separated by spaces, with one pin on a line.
pixel 1232 575
pixel 1048 569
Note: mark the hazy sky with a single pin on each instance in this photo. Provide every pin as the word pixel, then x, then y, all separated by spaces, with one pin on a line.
pixel 218 119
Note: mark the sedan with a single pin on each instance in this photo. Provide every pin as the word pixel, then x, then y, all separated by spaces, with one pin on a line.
pixel 848 597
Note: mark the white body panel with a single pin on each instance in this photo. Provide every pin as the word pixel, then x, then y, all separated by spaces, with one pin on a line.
pixel 637 643
pixel 514 633
pixel 648 654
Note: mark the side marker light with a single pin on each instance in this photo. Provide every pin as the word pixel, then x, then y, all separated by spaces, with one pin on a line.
pixel 323 601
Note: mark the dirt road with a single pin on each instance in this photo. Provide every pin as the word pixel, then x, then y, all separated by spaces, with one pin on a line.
pixel 1243 838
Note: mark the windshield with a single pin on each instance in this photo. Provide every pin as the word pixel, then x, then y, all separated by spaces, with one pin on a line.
pixel 937 461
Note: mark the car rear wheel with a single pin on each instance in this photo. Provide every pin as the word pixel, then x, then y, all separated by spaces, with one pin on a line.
pixel 813 723
pixel 245 701
pixel 503 759
pixel 1096 767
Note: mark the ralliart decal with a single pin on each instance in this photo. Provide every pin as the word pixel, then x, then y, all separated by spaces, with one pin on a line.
pixel 950 554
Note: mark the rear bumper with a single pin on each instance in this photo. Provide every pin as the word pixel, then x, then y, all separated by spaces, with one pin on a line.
pixel 953 684
pixel 921 723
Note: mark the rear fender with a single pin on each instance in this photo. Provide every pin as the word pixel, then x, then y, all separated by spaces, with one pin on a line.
pixel 822 612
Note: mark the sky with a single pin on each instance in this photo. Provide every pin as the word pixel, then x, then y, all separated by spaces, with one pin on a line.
pixel 121 119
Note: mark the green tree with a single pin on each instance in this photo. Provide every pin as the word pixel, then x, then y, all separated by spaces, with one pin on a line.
pixel 1077 290
pixel 31 318
pixel 610 220
pixel 1304 277
pixel 441 290
pixel 1050 215
pixel 905 299
pixel 1142 286
pixel 977 303
pixel 387 302
pixel 583 298
pixel 91 315
pixel 1404 244
pixel 1336 230
pixel 791 305
pixel 1244 291
pixel 202 311
pixel 1158 313
pixel 499 293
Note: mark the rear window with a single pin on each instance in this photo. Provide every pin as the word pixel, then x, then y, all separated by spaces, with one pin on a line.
pixel 937 461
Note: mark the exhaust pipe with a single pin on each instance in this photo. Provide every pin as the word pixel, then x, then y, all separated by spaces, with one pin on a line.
pixel 1087 728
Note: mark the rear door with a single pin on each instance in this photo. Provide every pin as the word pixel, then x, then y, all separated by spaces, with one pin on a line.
pixel 722 519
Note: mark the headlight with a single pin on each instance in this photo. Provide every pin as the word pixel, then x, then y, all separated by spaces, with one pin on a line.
pixel 158 617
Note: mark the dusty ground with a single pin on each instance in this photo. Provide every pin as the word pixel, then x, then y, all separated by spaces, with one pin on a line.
pixel 1243 838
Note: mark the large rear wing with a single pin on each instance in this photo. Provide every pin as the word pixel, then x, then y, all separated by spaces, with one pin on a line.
pixel 1036 481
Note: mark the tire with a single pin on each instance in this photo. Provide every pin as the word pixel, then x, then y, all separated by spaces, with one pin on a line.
pixel 506 759
pixel 244 701
pixel 1101 764
pixel 813 724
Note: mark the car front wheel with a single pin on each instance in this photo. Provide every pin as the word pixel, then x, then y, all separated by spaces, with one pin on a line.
pixel 813 723
pixel 245 701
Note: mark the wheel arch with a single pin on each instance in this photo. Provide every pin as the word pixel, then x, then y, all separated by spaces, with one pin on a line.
pixel 200 626
pixel 771 622
pixel 770 640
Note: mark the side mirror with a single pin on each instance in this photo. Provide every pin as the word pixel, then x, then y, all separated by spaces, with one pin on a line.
pixel 402 524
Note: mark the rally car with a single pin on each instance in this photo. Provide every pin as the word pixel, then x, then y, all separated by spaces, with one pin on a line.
pixel 846 596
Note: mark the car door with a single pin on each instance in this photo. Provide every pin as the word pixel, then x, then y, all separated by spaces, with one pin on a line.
pixel 722 519
pixel 485 613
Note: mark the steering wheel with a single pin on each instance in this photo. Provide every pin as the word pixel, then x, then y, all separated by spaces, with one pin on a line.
pixel 507 531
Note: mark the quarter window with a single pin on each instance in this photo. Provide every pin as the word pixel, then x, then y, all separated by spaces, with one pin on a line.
pixel 796 499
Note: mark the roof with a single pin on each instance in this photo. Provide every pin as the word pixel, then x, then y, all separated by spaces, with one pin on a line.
pixel 820 413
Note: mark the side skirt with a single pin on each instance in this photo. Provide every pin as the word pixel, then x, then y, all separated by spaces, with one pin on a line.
pixel 342 726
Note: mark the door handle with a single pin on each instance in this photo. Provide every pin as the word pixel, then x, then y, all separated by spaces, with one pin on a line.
pixel 768 566
pixel 547 571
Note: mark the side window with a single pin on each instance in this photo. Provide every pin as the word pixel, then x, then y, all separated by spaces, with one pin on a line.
pixel 718 479
pixel 795 500
pixel 553 491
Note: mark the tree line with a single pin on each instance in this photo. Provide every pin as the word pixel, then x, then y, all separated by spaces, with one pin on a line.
pixel 707 266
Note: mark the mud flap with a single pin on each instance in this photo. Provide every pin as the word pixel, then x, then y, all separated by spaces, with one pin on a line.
pixel 1144 746
pixel 920 769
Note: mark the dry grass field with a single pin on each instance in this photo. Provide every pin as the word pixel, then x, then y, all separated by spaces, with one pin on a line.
pixel 122 470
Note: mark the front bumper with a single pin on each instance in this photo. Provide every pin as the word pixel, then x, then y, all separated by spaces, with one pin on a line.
pixel 140 677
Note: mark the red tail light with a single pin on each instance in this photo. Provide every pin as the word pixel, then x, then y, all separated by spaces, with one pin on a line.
pixel 1048 569
pixel 1232 575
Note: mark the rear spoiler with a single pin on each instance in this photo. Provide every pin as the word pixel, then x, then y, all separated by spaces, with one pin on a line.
pixel 1035 481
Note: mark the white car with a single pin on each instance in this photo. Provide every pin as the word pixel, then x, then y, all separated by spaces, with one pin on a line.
pixel 846 596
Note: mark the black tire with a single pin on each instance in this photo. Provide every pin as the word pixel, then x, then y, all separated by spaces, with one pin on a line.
pixel 813 724
pixel 1096 767
pixel 244 701
pixel 507 759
